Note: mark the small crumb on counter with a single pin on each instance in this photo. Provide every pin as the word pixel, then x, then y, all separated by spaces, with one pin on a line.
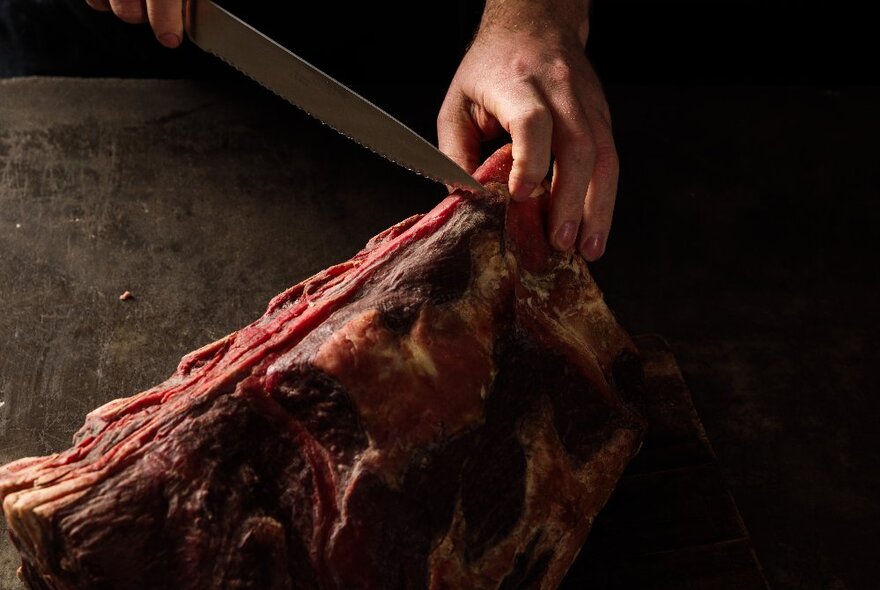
pixel 126 296
pixel 17 226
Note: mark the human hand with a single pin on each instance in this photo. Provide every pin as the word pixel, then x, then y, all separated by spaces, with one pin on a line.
pixel 164 16
pixel 526 73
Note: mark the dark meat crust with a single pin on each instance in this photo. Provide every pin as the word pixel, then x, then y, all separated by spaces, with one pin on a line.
pixel 445 410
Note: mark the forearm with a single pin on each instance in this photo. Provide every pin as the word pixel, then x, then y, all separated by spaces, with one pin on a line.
pixel 566 19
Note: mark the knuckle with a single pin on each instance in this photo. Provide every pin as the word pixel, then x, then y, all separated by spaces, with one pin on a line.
pixel 579 140
pixel 560 72
pixel 525 174
pixel 581 135
pixel 607 163
pixel 521 69
pixel 537 115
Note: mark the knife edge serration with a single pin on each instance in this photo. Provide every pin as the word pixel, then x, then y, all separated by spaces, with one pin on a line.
pixel 379 153
pixel 205 22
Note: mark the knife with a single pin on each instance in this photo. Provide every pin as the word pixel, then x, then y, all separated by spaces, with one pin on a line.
pixel 221 33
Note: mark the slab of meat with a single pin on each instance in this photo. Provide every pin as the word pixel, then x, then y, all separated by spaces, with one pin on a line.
pixel 448 409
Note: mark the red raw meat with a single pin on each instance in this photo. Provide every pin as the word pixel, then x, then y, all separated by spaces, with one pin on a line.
pixel 448 409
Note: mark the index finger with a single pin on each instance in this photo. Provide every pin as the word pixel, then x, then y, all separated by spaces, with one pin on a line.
pixel 524 113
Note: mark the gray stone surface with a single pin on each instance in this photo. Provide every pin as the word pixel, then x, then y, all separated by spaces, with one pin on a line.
pixel 204 202
pixel 745 233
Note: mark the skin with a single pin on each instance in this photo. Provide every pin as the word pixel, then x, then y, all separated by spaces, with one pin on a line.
pixel 165 17
pixel 525 74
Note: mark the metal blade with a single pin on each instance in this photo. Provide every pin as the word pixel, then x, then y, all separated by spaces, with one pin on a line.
pixel 221 33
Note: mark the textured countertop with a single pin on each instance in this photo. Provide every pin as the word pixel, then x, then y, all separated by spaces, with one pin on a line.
pixel 745 233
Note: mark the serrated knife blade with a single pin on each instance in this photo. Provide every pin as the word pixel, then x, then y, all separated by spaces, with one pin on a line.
pixel 221 33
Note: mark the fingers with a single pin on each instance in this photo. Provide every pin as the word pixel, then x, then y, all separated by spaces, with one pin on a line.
pixel 601 195
pixel 130 11
pixel 166 19
pixel 585 172
pixel 584 187
pixel 102 5
pixel 552 105
pixel 526 116
pixel 165 16
pixel 457 134
pixel 585 176
pixel 575 158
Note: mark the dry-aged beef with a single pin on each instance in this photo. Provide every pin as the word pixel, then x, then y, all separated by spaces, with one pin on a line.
pixel 448 409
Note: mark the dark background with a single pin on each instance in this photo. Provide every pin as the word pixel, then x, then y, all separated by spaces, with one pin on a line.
pixel 745 230
pixel 402 54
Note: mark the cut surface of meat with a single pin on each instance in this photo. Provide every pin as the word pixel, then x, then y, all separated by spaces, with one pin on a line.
pixel 448 409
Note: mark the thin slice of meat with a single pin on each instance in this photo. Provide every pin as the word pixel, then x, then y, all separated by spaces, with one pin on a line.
pixel 448 409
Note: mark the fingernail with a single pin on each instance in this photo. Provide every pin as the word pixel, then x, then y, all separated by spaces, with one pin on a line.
pixel 593 247
pixel 169 40
pixel 539 190
pixel 566 235
pixel 523 191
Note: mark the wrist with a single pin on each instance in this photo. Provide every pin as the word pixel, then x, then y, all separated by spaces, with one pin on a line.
pixel 563 21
